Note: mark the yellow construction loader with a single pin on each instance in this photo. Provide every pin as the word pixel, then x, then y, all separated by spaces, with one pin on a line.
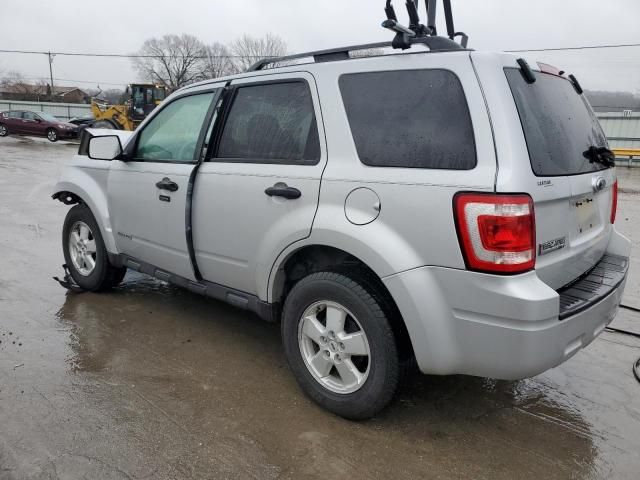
pixel 142 99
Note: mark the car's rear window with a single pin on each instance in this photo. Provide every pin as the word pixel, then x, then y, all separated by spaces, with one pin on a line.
pixel 409 118
pixel 558 124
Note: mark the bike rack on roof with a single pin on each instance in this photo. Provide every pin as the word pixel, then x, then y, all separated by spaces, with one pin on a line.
pixel 404 34
pixel 405 37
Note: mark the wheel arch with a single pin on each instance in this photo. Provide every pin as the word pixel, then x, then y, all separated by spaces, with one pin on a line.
pixel 311 258
pixel 70 193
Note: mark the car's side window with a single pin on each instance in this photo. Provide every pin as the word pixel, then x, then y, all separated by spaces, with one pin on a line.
pixel 172 135
pixel 410 119
pixel 271 123
pixel 28 116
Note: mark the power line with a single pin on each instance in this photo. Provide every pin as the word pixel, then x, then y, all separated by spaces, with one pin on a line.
pixel 130 55
pixel 588 47
pixel 125 55
pixel 96 82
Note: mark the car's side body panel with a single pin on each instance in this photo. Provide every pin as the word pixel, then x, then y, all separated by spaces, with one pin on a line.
pixel 145 226
pixel 87 179
pixel 238 229
pixel 415 226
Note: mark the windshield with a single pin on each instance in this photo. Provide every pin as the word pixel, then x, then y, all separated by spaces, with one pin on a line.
pixel 559 126
pixel 48 117
pixel 159 93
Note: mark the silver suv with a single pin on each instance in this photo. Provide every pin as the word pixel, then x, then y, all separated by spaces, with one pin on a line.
pixel 444 207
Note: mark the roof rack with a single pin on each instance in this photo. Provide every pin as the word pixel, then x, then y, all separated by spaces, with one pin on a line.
pixel 435 44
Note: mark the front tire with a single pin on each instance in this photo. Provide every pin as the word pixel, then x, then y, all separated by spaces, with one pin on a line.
pixel 340 345
pixel 85 253
pixel 52 135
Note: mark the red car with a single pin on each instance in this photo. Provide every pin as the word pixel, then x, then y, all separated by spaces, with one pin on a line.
pixel 36 123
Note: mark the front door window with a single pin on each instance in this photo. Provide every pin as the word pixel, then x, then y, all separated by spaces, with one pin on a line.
pixel 173 134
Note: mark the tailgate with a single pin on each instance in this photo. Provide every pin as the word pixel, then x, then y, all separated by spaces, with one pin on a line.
pixel 544 131
pixel 572 226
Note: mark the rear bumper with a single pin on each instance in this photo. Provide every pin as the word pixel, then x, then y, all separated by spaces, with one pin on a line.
pixel 463 322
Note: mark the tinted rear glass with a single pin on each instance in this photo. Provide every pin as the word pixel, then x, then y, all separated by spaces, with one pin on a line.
pixel 559 126
pixel 272 123
pixel 410 118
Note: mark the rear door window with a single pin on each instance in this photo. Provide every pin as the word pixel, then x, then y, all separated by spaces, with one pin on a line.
pixel 273 124
pixel 410 118
pixel 558 123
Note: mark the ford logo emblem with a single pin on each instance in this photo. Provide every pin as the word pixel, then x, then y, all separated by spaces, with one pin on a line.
pixel 599 184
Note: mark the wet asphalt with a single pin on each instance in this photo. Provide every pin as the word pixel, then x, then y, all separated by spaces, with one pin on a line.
pixel 153 382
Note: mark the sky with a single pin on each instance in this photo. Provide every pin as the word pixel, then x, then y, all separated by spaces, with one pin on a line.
pixel 121 26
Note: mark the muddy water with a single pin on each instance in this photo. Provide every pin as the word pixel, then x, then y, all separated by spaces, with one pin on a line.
pixel 150 381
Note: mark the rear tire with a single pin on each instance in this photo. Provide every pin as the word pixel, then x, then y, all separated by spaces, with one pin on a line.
pixel 4 131
pixel 52 135
pixel 324 367
pixel 85 253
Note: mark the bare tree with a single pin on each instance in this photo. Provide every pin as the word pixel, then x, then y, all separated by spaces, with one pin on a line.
pixel 217 61
pixel 248 50
pixel 173 60
pixel 17 83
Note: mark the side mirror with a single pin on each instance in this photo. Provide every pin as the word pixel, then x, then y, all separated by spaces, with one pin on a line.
pixel 105 148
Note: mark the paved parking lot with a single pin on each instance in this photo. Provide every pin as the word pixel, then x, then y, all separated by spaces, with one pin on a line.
pixel 150 381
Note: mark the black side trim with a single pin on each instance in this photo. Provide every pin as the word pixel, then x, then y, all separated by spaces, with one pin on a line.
pixel 199 156
pixel 236 298
pixel 594 286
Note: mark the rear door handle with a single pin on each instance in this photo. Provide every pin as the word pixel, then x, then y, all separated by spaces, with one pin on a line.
pixel 167 184
pixel 283 190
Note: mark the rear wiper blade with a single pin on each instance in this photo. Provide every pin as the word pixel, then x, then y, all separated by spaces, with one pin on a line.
pixel 600 155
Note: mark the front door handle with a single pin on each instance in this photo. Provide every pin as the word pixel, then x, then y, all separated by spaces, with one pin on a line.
pixel 167 184
pixel 283 190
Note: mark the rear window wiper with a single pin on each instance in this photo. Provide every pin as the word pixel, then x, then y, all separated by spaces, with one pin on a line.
pixel 600 155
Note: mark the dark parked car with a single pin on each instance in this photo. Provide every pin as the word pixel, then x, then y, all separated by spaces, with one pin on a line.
pixel 36 123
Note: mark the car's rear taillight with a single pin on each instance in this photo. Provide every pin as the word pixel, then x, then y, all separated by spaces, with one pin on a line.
pixel 614 202
pixel 497 233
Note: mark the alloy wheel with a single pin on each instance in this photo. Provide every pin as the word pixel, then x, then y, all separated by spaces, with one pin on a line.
pixel 82 248
pixel 334 347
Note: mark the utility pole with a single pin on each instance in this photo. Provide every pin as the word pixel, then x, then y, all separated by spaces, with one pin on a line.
pixel 51 72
